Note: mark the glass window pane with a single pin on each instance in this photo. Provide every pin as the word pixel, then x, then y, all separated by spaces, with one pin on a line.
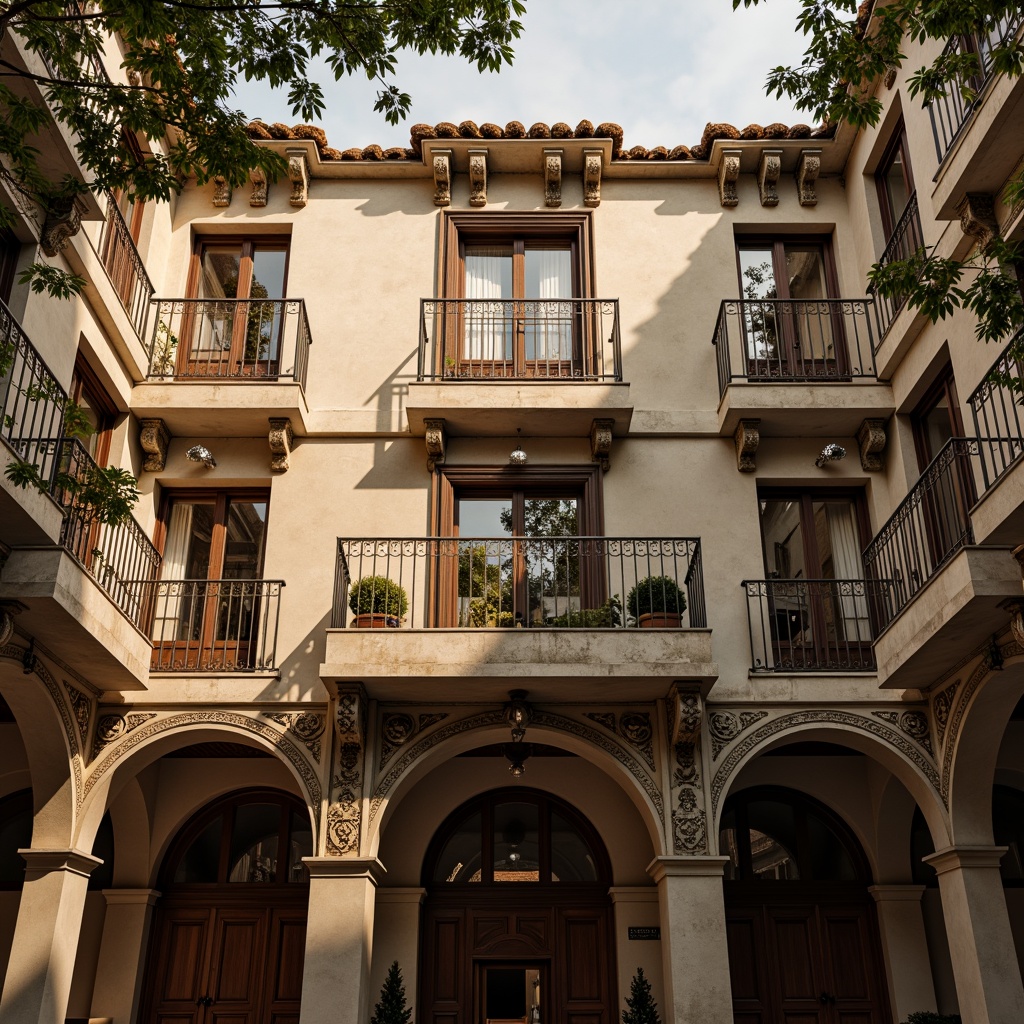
pixel 268 274
pixel 783 539
pixel 301 845
pixel 547 324
pixel 489 321
pixel 243 550
pixel 830 859
pixel 460 859
pixel 516 843
pixel 894 187
pixel 254 840
pixel 202 859
pixel 772 839
pixel 221 265
pixel 805 272
pixel 572 860
pixel 757 277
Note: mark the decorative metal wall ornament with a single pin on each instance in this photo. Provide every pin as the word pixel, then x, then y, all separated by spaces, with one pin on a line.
pixel 725 726
pixel 200 453
pixel 830 453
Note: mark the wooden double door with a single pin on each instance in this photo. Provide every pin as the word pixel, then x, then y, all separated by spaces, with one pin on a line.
pixel 804 957
pixel 229 961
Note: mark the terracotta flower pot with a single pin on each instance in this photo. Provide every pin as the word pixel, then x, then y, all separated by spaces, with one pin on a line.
pixel 375 620
pixel 660 620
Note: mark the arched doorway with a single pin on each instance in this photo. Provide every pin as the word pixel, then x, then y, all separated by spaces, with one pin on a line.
pixel 229 932
pixel 517 923
pixel 803 937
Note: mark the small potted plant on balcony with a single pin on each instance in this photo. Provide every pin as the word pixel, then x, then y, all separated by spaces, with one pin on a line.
pixel 378 603
pixel 656 602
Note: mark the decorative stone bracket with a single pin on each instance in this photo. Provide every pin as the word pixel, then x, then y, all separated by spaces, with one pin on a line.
pixel 221 191
pixel 154 438
pixel 259 187
pixel 63 221
pixel 601 442
pixel 728 175
pixel 871 439
pixel 978 218
pixel 553 178
pixel 298 171
pixel 280 439
pixel 592 162
pixel 747 438
pixel 435 440
pixel 807 167
pixel 689 820
pixel 478 177
pixel 768 171
pixel 442 161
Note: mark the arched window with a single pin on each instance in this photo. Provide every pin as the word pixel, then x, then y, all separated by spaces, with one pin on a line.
pixel 256 837
pixel 770 833
pixel 515 836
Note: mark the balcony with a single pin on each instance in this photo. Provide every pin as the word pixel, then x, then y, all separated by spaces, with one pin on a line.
pixel 125 268
pixel 780 359
pixel 224 366
pixel 215 626
pixel 813 625
pixel 486 366
pixel 906 238
pixel 625 616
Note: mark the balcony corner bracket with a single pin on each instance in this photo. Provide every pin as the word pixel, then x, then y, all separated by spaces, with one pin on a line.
pixel 442 164
pixel 298 171
pixel 768 171
pixel 259 187
pixel 871 439
pixel 601 442
pixel 592 162
pixel 478 177
pixel 808 166
pixel 349 712
pixel 63 221
pixel 553 178
pixel 890 78
pixel 154 437
pixel 978 218
pixel 221 190
pixel 435 441
pixel 686 713
pixel 280 438
pixel 728 176
pixel 747 438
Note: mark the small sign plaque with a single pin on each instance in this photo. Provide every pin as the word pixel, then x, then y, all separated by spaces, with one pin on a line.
pixel 652 932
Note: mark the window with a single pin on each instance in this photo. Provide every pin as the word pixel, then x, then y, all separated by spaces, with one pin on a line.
pixel 209 611
pixel 937 418
pixel 89 395
pixel 10 249
pixel 234 326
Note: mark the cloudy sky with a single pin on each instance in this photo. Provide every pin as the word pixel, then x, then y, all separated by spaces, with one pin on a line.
pixel 660 68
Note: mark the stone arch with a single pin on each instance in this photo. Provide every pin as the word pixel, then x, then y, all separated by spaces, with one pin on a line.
pixel 52 738
pixel 620 763
pixel 122 760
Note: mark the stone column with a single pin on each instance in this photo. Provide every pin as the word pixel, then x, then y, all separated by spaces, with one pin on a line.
pixel 694 950
pixel 905 947
pixel 988 982
pixel 122 959
pixel 42 962
pixel 397 917
pixel 339 938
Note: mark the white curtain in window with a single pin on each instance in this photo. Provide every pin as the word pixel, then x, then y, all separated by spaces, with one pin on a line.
pixel 846 560
pixel 488 319
pixel 169 605
pixel 553 325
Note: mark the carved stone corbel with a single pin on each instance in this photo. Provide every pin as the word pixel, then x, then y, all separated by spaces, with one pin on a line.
pixel 747 438
pixel 871 440
pixel 601 442
pixel 154 438
pixel 221 191
pixel 435 438
pixel 350 715
pixel 807 168
pixel 298 171
pixel 63 220
pixel 280 438
pixel 259 187
pixel 687 713
pixel 977 217
pixel 768 171
pixel 478 177
pixel 553 178
pixel 728 175
pixel 890 78
pixel 442 162
pixel 592 162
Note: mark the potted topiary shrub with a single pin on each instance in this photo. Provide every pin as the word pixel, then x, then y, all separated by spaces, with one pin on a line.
pixel 656 602
pixel 377 602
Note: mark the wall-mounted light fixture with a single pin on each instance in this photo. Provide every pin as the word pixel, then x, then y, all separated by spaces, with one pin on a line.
pixel 830 453
pixel 518 456
pixel 517 714
pixel 200 453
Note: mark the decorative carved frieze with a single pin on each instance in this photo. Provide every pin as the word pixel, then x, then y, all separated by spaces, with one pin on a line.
pixel 601 442
pixel 977 217
pixel 154 438
pixel 398 728
pixel 478 177
pixel 871 440
pixel 81 705
pixel 298 172
pixel 309 726
pixel 1015 607
pixel 553 178
pixel 747 438
pixel 442 163
pixel 728 175
pixel 768 171
pixel 111 728
pixel 344 814
pixel 280 439
pixel 592 161
pixel 913 723
pixel 808 166
pixel 436 440
pixel 259 187
pixel 221 191
pixel 725 726
pixel 689 820
pixel 63 220
pixel 686 713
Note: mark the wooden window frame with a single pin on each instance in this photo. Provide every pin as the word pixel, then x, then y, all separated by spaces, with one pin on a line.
pixel 10 250
pixel 84 380
pixel 248 244
pixel 897 146
pixel 944 386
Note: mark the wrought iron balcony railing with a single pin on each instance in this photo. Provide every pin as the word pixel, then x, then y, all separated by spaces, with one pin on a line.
pixel 31 401
pixel 520 582
pixel 125 268
pixel 812 340
pixel 951 111
pixel 517 339
pixel 813 625
pixel 996 408
pixel 906 238
pixel 211 625
pixel 230 339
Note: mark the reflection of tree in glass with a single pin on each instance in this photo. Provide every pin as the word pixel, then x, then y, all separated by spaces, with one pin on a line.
pixel 552 566
pixel 759 315
pixel 259 324
pixel 485 585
